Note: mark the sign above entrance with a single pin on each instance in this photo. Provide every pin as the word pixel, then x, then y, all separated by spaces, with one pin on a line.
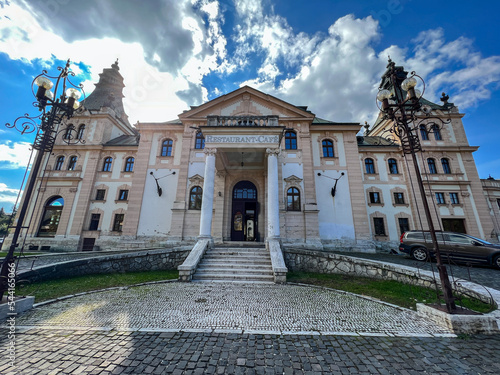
pixel 227 138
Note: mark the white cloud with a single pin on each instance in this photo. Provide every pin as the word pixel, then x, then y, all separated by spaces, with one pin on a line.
pixel 15 155
pixel 169 56
pixel 8 196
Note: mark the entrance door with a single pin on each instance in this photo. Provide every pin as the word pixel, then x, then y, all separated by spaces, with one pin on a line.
pixel 244 212
pixel 88 244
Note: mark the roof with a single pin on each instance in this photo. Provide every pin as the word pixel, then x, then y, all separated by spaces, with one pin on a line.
pixel 375 141
pixel 174 122
pixel 108 92
pixel 124 140
pixel 320 121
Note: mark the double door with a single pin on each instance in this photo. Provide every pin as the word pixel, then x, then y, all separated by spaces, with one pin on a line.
pixel 244 221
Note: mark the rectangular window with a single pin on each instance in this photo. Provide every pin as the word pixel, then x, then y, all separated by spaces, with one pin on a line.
pixel 454 198
pixel 375 197
pixel 100 194
pixel 440 198
pixel 123 196
pixel 399 198
pixel 118 223
pixel 404 225
pixel 498 203
pixel 378 223
pixel 94 221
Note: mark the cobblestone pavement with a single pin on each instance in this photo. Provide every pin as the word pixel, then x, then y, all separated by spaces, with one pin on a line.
pixel 44 352
pixel 210 328
pixel 221 306
pixel 484 275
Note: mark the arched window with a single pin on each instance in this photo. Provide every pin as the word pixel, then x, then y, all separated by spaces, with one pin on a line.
pixel 327 148
pixel 293 199
pixel 200 141
pixel 129 165
pixel 244 190
pixel 51 216
pixel 59 163
pixel 393 166
pixel 423 133
pixel 195 196
pixel 69 130
pixel 81 129
pixel 166 147
pixel 106 166
pixel 437 132
pixel 72 163
pixel 446 165
pixel 369 166
pixel 290 140
pixel 432 166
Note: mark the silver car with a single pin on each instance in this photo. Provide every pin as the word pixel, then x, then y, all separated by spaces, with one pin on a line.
pixel 458 247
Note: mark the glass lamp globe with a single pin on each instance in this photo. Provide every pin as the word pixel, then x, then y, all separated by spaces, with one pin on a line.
pixel 44 82
pixel 409 83
pixel 73 93
pixel 383 94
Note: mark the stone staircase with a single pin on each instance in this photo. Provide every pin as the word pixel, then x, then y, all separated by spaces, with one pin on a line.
pixel 237 262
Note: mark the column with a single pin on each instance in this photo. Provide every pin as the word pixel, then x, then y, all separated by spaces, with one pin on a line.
pixel 207 202
pixel 273 208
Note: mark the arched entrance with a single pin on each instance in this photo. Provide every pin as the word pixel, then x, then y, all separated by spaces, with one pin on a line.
pixel 51 216
pixel 245 212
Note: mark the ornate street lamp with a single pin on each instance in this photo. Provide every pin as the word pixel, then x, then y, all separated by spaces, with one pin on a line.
pixel 54 107
pixel 401 103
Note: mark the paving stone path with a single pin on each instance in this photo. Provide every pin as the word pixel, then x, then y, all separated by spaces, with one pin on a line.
pixel 231 306
pixel 211 328
pixel 44 352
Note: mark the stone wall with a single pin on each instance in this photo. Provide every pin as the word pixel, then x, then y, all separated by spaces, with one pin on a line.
pixel 326 262
pixel 137 261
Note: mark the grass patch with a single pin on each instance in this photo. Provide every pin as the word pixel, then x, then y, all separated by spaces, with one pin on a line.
pixel 390 291
pixel 46 290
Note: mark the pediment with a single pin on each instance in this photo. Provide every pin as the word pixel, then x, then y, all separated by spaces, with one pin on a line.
pixel 247 101
pixel 196 180
pixel 293 179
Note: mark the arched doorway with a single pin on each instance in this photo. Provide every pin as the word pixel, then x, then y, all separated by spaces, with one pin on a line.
pixel 245 212
pixel 51 216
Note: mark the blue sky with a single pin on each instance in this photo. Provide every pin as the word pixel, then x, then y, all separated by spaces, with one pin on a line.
pixel 326 54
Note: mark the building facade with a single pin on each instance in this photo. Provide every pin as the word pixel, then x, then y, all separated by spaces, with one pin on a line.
pixel 248 166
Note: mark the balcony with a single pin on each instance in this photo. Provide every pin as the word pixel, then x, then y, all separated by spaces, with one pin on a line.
pixel 253 121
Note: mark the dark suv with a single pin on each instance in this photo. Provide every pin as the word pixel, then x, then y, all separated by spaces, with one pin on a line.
pixel 456 246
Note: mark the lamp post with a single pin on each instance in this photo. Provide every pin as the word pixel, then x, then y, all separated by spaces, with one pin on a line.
pixel 401 103
pixel 54 107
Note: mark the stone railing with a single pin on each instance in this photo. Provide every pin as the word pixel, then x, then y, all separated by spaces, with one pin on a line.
pixel 242 120
pixel 188 268
pixel 277 261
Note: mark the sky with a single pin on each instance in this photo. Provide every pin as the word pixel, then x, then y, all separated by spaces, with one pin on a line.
pixel 326 54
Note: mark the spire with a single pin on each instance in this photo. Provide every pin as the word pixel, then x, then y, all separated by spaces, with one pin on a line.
pixel 108 92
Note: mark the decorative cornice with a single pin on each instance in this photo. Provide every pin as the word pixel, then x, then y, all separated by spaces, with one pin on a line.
pixel 273 151
pixel 210 151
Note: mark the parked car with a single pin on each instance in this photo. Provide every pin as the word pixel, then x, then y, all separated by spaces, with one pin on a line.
pixel 454 246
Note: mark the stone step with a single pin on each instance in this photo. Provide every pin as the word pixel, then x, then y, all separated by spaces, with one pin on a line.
pixel 236 254
pixel 233 277
pixel 236 262
pixel 256 271
pixel 242 245
pixel 225 263
pixel 239 249
pixel 239 258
